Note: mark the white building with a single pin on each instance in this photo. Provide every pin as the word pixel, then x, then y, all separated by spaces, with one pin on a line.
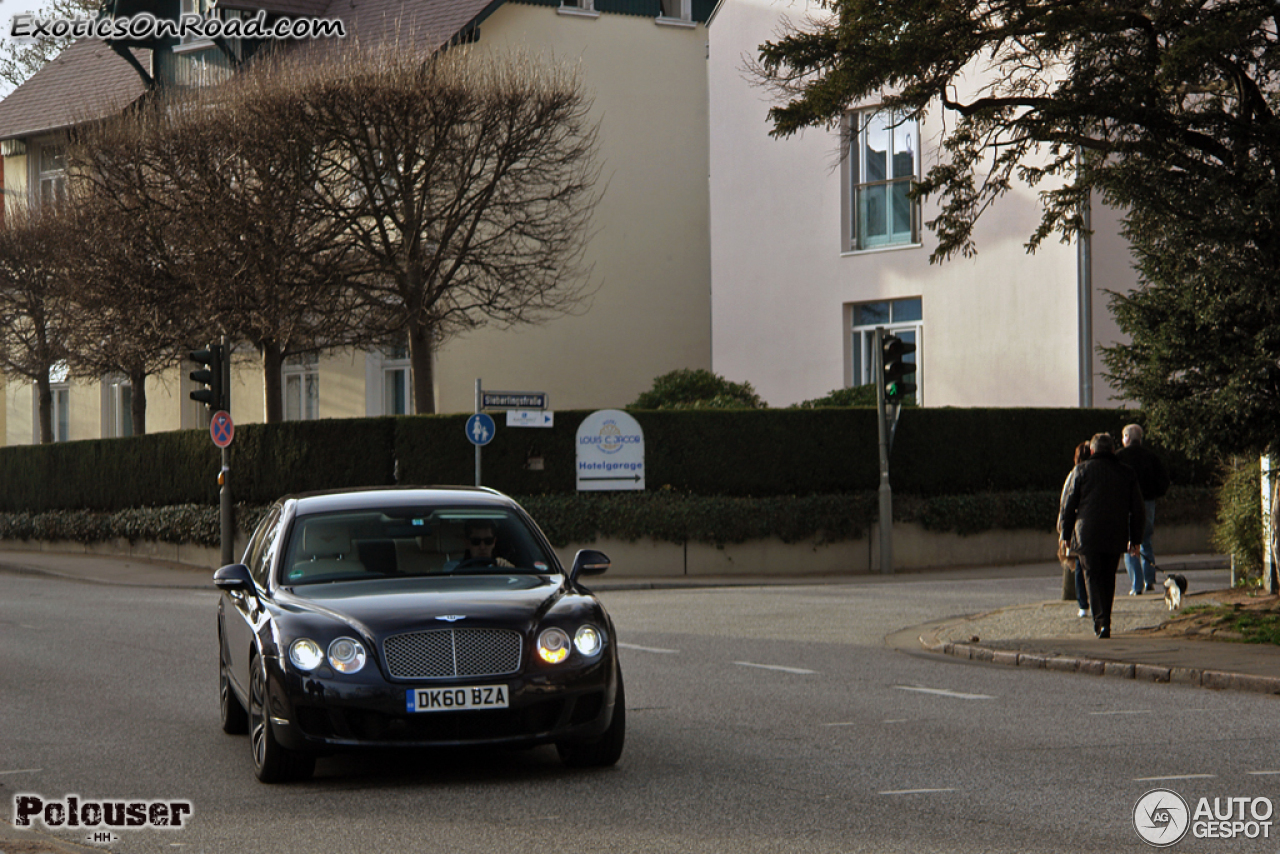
pixel 811 251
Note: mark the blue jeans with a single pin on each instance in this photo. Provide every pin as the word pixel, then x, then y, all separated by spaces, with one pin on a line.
pixel 1082 590
pixel 1142 570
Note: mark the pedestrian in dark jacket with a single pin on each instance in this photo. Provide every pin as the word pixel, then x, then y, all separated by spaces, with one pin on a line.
pixel 1102 509
pixel 1154 482
pixel 1070 562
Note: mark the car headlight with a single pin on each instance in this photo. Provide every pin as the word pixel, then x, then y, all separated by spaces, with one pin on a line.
pixel 587 640
pixel 306 654
pixel 347 655
pixel 553 646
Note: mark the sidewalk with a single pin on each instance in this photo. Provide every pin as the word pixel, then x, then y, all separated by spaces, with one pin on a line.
pixel 1045 635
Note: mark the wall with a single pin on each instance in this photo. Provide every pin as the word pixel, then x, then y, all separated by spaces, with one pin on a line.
pixel 913 549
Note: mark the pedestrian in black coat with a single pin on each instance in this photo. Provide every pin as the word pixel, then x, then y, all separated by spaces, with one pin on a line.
pixel 1102 507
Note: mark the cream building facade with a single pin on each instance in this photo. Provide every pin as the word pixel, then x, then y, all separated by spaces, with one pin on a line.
pixel 644 63
pixel 811 250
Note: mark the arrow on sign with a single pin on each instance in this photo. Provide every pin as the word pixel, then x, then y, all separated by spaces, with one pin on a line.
pixel 635 478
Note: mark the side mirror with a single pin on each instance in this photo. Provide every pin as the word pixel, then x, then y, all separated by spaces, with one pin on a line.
pixel 234 577
pixel 589 562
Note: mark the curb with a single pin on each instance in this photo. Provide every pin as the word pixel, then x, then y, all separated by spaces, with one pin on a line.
pixel 1215 679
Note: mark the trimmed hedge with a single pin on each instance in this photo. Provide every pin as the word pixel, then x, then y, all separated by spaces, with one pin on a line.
pixel 738 453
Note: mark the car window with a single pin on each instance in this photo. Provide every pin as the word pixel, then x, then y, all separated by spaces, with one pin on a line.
pixel 397 542
pixel 262 547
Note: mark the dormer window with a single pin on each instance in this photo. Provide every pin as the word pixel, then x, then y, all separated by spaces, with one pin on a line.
pixel 583 8
pixel 676 10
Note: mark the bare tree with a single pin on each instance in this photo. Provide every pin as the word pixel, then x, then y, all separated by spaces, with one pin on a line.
pixel 33 303
pixel 132 311
pixel 462 181
pixel 215 201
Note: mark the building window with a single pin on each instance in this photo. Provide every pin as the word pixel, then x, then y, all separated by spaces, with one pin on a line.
pixel 302 387
pixel 395 381
pixel 901 317
pixel 51 175
pixel 119 408
pixel 883 163
pixel 60 387
pixel 676 10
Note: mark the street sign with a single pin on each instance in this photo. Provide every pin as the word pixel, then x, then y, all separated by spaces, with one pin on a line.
pixel 222 428
pixel 513 400
pixel 530 418
pixel 480 429
pixel 610 452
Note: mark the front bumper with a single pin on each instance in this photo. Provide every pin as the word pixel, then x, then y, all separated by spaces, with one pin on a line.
pixel 315 713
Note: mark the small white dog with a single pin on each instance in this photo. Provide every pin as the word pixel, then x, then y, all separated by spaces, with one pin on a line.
pixel 1174 586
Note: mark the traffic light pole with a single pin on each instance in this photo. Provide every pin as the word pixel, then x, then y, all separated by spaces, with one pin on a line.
pixel 886 493
pixel 225 509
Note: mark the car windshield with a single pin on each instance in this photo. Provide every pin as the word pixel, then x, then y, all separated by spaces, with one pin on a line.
pixel 411 542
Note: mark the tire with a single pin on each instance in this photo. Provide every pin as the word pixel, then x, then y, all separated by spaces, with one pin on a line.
pixel 235 720
pixel 605 750
pixel 272 763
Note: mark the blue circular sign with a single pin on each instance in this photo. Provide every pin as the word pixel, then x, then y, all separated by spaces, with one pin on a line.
pixel 480 429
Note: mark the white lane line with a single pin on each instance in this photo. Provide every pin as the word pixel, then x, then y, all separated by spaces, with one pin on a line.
pixel 913 791
pixel 1126 712
pixel 942 692
pixel 1182 777
pixel 799 670
pixel 23 771
pixel 648 648
pixel 1262 773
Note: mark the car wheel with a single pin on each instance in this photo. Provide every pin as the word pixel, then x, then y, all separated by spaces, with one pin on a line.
pixel 605 750
pixel 235 720
pixel 272 763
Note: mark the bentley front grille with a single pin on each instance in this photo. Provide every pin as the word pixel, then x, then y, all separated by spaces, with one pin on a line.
pixel 452 653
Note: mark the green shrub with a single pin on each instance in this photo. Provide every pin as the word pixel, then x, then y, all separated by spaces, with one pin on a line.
pixel 1238 529
pixel 697 389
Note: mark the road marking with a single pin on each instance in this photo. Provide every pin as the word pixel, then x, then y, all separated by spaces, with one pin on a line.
pixel 942 692
pixel 648 649
pixel 799 670
pixel 913 791
pixel 1261 773
pixel 1182 777
pixel 1126 712
pixel 24 771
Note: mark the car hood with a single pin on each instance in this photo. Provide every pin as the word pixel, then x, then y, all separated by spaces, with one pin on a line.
pixel 385 606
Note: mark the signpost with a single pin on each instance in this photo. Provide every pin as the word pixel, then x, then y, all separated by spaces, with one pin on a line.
pixel 610 455
pixel 512 399
pixel 222 429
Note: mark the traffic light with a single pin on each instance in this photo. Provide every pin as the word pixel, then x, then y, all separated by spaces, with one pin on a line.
pixel 213 395
pixel 896 367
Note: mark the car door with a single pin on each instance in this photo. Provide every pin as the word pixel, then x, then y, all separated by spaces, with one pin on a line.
pixel 243 611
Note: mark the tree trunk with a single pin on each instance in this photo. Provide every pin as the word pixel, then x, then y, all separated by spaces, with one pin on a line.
pixel 420 361
pixel 272 362
pixel 138 401
pixel 44 396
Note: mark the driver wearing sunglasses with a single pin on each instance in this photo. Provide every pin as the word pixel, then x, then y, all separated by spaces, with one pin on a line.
pixel 482 538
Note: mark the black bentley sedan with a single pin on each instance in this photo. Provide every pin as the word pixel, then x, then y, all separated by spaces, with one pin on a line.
pixel 413 617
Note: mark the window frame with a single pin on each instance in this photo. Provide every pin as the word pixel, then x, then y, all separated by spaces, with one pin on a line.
pixel 855 185
pixel 304 368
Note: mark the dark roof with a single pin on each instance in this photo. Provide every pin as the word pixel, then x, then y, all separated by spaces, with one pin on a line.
pixel 86 81
pixel 426 23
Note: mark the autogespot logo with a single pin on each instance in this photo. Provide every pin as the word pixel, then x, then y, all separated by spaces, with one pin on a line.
pixel 1161 818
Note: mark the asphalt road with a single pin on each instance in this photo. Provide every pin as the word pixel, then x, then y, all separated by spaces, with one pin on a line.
pixel 760 719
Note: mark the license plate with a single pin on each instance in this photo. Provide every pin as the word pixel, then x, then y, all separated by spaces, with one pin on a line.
pixel 456 699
